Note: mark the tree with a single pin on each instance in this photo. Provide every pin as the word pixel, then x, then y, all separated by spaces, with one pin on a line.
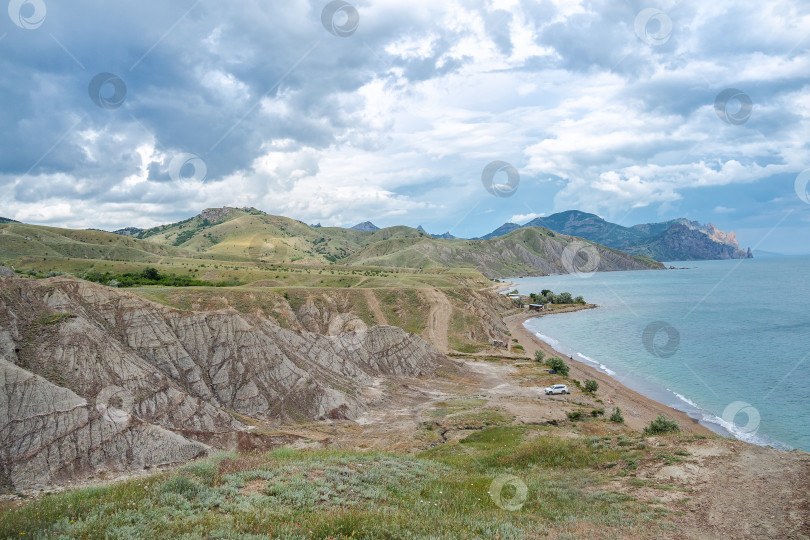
pixel 661 425
pixel 539 356
pixel 565 298
pixel 545 292
pixel 558 365
pixel 591 386
pixel 151 273
pixel 579 300
pixel 617 416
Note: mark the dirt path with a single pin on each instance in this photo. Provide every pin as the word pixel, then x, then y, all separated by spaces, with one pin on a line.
pixel 374 306
pixel 438 320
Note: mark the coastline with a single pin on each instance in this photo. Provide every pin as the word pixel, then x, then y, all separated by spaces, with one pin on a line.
pixel 638 410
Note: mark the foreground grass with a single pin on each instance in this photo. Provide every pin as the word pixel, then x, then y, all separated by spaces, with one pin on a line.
pixel 501 482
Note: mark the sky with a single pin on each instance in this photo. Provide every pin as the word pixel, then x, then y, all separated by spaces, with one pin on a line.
pixel 456 115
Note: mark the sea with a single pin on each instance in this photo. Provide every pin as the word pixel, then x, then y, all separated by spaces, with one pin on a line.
pixel 726 342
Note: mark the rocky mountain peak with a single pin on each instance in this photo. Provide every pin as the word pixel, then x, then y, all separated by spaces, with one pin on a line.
pixel 366 226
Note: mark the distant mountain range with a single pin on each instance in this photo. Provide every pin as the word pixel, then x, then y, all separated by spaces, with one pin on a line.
pixel 446 236
pixel 675 240
pixel 248 234
pixel 368 226
pixel 232 235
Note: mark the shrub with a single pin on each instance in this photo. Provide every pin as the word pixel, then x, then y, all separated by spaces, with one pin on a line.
pixel 591 386
pixel 151 273
pixel 661 425
pixel 617 416
pixel 539 356
pixel 564 298
pixel 558 365
pixel 574 415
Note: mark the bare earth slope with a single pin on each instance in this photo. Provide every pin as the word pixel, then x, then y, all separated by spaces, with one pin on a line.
pixel 95 378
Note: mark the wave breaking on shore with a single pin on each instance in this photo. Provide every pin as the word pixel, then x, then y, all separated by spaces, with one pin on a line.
pixel 668 397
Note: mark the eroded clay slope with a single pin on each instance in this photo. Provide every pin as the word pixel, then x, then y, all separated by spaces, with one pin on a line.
pixel 92 377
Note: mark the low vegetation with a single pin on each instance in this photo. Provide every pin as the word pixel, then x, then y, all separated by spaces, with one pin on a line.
pixel 616 416
pixel 662 426
pixel 558 365
pixel 151 276
pixel 548 297
pixel 554 486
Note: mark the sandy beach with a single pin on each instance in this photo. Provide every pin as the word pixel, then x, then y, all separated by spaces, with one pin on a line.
pixel 638 410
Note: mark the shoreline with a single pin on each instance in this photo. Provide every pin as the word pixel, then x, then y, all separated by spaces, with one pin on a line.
pixel 638 409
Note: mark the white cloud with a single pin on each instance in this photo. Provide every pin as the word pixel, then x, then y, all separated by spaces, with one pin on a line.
pixel 523 218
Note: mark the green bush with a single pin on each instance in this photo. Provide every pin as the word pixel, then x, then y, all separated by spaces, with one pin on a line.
pixel 539 356
pixel 591 386
pixel 151 276
pixel 548 297
pixel 617 416
pixel 574 415
pixel 563 298
pixel 558 365
pixel 661 425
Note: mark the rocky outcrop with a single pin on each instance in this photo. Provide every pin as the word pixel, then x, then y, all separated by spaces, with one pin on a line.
pixel 682 243
pixel 95 378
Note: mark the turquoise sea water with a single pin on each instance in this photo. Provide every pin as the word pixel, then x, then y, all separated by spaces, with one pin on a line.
pixel 727 342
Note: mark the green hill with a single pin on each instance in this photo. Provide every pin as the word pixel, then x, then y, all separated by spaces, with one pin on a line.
pixel 245 244
pixel 21 240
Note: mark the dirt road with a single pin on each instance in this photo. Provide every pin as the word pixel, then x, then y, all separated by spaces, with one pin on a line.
pixel 438 320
